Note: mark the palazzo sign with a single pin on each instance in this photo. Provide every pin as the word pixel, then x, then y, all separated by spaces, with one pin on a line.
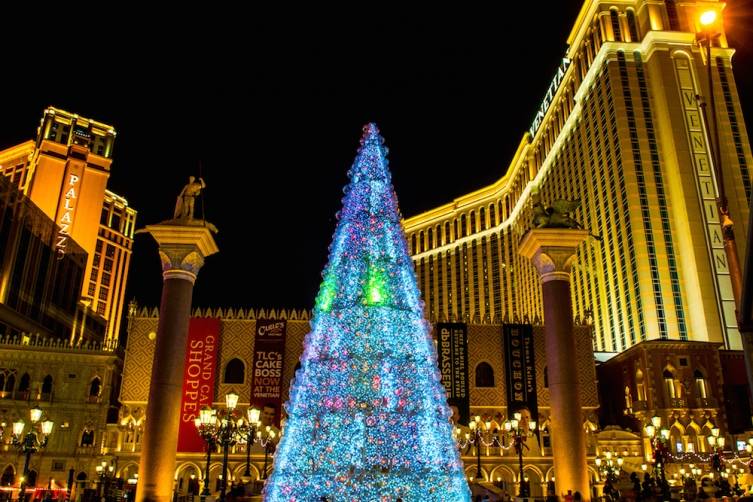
pixel 269 356
pixel 520 367
pixel 549 96
pixel 67 206
pixel 452 351
pixel 198 379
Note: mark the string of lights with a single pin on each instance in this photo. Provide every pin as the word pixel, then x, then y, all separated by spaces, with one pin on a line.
pixel 367 416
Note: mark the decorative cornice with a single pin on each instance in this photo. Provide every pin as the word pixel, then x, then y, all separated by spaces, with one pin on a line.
pixel 182 247
pixel 552 251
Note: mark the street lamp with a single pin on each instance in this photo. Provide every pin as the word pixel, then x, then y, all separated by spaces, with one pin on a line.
pixel 269 447
pixel 205 424
pixel 31 442
pixel 476 438
pixel 717 444
pixel 253 423
pixel 609 467
pixel 106 473
pixel 659 449
pixel 518 434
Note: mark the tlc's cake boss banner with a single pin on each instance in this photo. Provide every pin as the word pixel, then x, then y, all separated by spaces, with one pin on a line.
pixel 269 356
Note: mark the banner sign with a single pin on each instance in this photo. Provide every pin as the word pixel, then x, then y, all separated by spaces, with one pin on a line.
pixel 452 351
pixel 520 367
pixel 198 379
pixel 269 356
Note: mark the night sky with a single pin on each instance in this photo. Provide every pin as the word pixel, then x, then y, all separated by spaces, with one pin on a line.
pixel 272 104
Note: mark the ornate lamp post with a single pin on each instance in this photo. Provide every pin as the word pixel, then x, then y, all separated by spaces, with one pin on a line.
pixel 106 473
pixel 658 438
pixel 269 447
pixel 717 444
pixel 253 424
pixel 228 432
pixel 476 438
pixel 205 424
pixel 518 436
pixel 31 442
pixel 609 467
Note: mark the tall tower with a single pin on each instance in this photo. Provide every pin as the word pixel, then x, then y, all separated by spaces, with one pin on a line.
pixel 622 130
pixel 64 171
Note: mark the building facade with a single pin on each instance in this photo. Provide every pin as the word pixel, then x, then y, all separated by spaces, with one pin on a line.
pixel 687 385
pixel 64 172
pixel 622 131
pixel 73 385
pixel 487 385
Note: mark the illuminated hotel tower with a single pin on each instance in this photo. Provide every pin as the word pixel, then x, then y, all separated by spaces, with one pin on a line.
pixel 64 172
pixel 621 129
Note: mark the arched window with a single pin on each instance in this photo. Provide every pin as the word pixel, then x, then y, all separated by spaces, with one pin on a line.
pixel 47 385
pixel 700 384
pixel 484 375
pixel 482 217
pixel 447 232
pixel 455 229
pixel 492 216
pixel 9 476
pixel 95 387
pixel 235 371
pixel 421 241
pixel 669 384
pixel 632 26
pixel 639 385
pixel 25 382
pixel 462 226
pixel 413 244
pixel 431 239
pixel 87 438
pixel 615 18
pixel 472 216
pixel 9 384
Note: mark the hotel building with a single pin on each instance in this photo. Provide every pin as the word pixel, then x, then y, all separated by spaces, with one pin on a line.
pixel 64 172
pixel 621 129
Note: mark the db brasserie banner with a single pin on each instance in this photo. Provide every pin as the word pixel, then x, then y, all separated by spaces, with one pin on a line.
pixel 198 379
pixel 269 356
pixel 452 352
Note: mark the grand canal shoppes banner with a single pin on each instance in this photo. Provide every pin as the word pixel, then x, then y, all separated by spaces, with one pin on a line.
pixel 198 379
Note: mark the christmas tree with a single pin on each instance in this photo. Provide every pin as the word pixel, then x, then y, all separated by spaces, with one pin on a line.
pixel 368 418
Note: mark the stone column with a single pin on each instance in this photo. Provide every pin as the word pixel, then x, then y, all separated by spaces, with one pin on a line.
pixel 552 251
pixel 182 249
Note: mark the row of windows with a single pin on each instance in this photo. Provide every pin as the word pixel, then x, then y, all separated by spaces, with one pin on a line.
pixel 9 388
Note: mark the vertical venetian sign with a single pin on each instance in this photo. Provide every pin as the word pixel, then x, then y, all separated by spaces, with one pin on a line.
pixel 452 352
pixel 269 356
pixel 67 205
pixel 703 170
pixel 198 379
pixel 520 367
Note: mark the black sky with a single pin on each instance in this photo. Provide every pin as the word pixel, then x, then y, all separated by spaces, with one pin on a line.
pixel 273 104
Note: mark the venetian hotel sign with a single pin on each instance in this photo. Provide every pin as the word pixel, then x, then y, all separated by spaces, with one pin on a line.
pixel 549 96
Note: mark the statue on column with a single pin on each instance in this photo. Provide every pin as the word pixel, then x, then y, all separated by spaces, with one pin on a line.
pixel 558 215
pixel 184 206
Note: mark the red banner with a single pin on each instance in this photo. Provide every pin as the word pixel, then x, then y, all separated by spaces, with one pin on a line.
pixel 269 356
pixel 198 379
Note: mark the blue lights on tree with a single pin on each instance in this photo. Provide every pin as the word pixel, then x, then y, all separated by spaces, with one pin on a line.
pixel 367 417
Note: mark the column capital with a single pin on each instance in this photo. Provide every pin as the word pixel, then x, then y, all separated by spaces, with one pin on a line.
pixel 552 250
pixel 182 247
